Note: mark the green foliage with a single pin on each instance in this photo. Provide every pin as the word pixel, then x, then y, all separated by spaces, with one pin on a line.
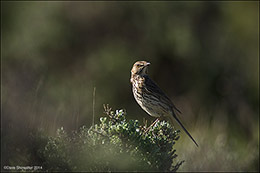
pixel 113 145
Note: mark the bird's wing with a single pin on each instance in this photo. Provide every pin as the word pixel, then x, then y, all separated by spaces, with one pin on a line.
pixel 153 88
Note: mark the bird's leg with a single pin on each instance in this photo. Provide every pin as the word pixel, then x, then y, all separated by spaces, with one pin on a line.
pixel 154 123
pixel 151 125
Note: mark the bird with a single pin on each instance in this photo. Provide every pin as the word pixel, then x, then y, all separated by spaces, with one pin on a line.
pixel 151 98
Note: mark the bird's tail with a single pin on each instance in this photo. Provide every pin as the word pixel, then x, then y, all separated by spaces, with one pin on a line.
pixel 175 117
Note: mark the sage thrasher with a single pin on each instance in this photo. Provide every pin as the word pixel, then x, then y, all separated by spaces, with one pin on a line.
pixel 150 97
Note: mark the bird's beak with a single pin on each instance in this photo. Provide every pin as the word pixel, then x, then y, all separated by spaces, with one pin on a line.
pixel 147 64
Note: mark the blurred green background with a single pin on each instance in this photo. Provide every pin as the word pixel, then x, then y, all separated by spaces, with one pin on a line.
pixel 204 55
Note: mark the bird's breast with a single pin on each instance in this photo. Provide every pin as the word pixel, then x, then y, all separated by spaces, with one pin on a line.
pixel 150 102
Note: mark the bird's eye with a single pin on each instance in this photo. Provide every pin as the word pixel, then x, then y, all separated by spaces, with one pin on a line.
pixel 139 65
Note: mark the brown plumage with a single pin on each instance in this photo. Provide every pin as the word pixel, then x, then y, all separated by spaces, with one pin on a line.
pixel 150 97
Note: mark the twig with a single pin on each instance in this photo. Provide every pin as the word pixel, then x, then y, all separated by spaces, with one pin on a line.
pixel 94 96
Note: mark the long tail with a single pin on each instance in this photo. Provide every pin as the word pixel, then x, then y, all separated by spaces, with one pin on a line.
pixel 174 116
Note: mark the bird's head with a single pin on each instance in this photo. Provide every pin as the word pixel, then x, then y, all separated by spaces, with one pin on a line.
pixel 140 68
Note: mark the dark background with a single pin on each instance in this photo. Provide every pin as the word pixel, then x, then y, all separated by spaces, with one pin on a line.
pixel 204 55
